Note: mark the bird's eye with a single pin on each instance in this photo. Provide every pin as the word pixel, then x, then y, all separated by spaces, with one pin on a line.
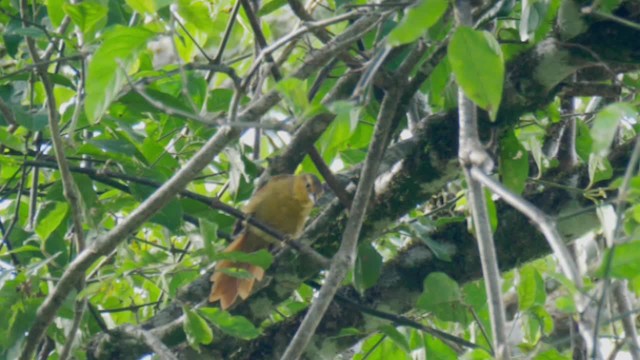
pixel 309 186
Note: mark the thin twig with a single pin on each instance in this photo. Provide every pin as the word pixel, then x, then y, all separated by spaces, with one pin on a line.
pixel 294 35
pixel 227 33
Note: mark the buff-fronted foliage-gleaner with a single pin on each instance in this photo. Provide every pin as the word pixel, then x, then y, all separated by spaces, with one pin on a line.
pixel 283 204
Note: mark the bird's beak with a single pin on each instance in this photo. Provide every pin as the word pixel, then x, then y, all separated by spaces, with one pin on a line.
pixel 312 197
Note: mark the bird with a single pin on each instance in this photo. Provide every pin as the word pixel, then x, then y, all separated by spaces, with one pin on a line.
pixel 283 204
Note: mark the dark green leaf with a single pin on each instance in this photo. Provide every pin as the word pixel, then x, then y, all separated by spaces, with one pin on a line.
pixel 441 295
pixel 368 266
pixel 422 230
pixel 514 163
pixel 236 326
pixel 271 6
pixel 209 232
pixel 605 126
pixel 170 215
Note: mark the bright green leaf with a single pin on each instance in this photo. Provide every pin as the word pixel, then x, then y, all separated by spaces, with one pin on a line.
pixel 143 6
pixel 438 349
pixel 566 304
pixel 106 77
pixel 196 328
pixel 49 217
pixel 87 15
pixel 417 20
pixel 477 62
pixel 55 11
pixel 530 289
pixel 624 259
pixel 11 141
pixel 396 336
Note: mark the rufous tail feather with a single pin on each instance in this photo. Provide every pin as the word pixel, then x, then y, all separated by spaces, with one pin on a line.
pixel 227 288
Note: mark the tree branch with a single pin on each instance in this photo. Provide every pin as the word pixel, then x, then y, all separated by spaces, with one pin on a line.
pixel 345 257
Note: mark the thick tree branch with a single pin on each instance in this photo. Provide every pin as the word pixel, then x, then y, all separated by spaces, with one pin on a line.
pixel 345 257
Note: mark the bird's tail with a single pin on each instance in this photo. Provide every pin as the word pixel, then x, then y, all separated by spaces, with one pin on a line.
pixel 226 288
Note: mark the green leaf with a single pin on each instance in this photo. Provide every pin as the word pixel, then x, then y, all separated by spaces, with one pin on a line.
pixel 34 121
pixel 209 232
pixel 551 354
pixel 11 141
pixel 477 354
pixel 219 100
pixel 105 77
pixel 530 288
pixel 605 126
pixel 31 31
pixel 271 6
pixel 583 141
pixel 422 230
pixel 514 163
pixel 396 336
pixel 170 215
pixel 295 91
pixel 196 328
pixel 625 261
pixel 417 20
pixel 49 218
pixel 476 60
pixel 368 266
pixel 55 11
pixel 261 258
pixel 88 16
pixel 566 304
pixel 143 6
pixel 491 210
pixel 438 349
pixel 378 348
pixel 599 169
pixel 236 326
pixel 441 295
pixel 533 14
